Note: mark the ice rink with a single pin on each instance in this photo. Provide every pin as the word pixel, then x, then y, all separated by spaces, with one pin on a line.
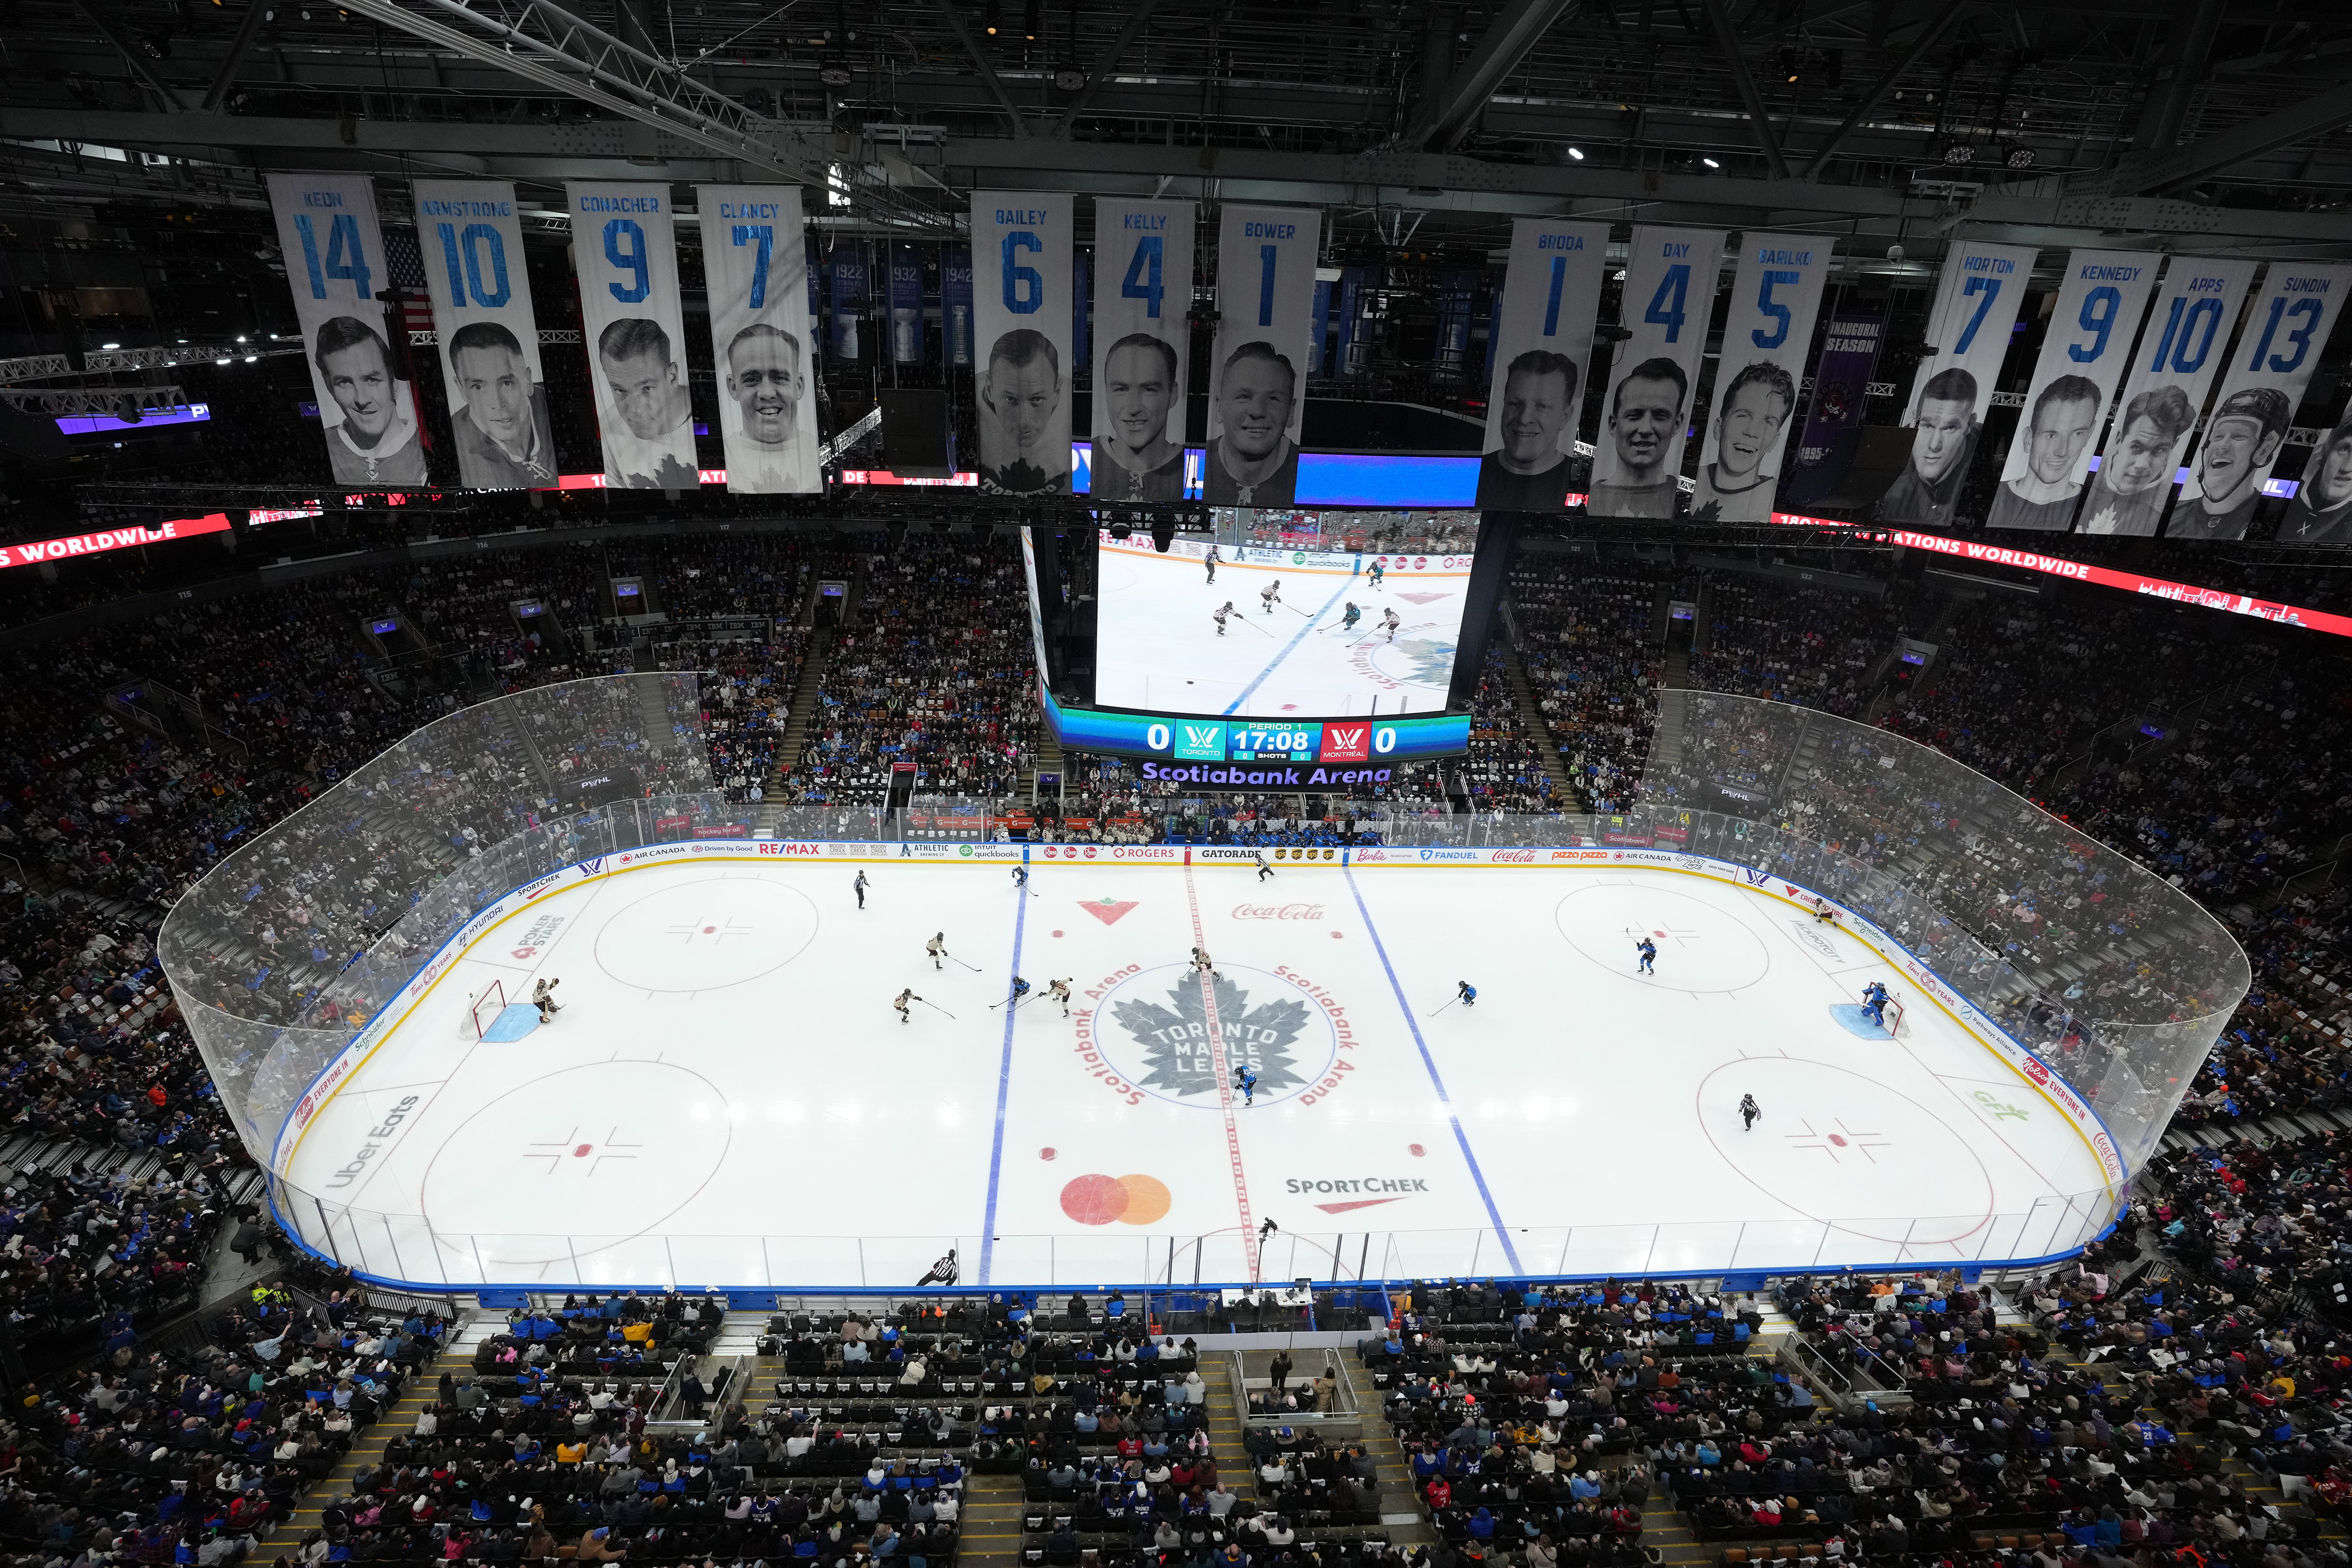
pixel 1160 648
pixel 728 1099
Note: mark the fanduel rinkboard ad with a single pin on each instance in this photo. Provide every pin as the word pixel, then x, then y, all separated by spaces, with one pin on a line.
pixel 755 269
pixel 2093 323
pixel 1775 300
pixel 626 253
pixel 472 245
pixel 2286 331
pixel 1543 354
pixel 1266 321
pixel 1021 307
pixel 1670 281
pixel 1143 294
pixel 1976 304
pixel 2180 356
pixel 334 262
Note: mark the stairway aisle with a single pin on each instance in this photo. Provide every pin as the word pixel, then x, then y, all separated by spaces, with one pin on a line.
pixel 801 712
pixel 1531 714
pixel 993 1509
pixel 1401 1509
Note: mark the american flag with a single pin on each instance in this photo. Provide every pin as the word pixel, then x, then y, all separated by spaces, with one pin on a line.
pixel 404 265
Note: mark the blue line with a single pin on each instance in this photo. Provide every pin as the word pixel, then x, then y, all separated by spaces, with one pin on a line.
pixel 1004 1093
pixel 1291 647
pixel 1443 1099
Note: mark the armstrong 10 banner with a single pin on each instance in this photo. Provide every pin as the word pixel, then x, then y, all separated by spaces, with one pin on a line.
pixel 490 365
pixel 1775 300
pixel 625 251
pixel 2093 325
pixel 1670 286
pixel 1144 297
pixel 1266 324
pixel 1023 291
pixel 755 267
pixel 1542 362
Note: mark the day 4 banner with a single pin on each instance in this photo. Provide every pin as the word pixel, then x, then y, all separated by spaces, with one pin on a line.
pixel 1670 283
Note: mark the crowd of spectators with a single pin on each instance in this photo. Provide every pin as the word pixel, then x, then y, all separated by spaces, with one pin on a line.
pixel 1594 666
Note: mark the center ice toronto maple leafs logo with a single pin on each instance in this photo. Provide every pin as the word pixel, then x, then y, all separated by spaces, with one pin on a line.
pixel 1175 1039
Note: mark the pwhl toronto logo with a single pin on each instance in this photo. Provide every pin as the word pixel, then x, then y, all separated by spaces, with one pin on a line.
pixel 1176 1040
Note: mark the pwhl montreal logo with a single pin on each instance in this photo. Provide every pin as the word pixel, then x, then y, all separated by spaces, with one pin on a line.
pixel 1172 1031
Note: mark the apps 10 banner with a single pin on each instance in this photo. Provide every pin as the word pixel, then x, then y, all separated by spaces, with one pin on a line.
pixel 1541 357
pixel 1143 296
pixel 755 268
pixel 1977 301
pixel 625 252
pixel 1265 325
pixel 2093 324
pixel 2287 328
pixel 1776 297
pixel 472 244
pixel 2182 353
pixel 326 231
pixel 1022 301
pixel 1671 277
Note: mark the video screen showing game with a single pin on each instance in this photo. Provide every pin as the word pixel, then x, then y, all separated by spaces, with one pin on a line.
pixel 1286 614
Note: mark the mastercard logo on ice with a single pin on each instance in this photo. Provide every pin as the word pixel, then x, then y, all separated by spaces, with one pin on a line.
pixel 1130 1199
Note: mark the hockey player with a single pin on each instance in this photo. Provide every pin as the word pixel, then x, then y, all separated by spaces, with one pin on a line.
pixel 1649 951
pixel 1210 562
pixel 1465 993
pixel 1825 911
pixel 1223 611
pixel 1348 622
pixel 1245 1080
pixel 1060 991
pixel 1874 999
pixel 1379 571
pixel 861 889
pixel 1021 876
pixel 901 1000
pixel 1749 1112
pixel 936 947
pixel 1020 990
pixel 542 997
pixel 1392 622
pixel 1270 595
pixel 1264 870
pixel 1203 964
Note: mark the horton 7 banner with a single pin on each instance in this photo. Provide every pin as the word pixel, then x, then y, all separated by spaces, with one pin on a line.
pixel 334 261
pixel 1541 359
pixel 1775 300
pixel 2093 323
pixel 625 252
pixel 1143 295
pixel 1265 328
pixel 1670 283
pixel 2179 358
pixel 490 367
pixel 1022 306
pixel 1976 304
pixel 755 267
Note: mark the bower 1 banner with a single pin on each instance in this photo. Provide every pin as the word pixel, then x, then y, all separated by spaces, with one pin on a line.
pixel 1968 326
pixel 1541 356
pixel 472 245
pixel 1265 325
pixel 1143 295
pixel 327 232
pixel 1670 283
pixel 2286 331
pixel 755 268
pixel 2093 323
pixel 625 252
pixel 2186 342
pixel 1775 300
pixel 1022 301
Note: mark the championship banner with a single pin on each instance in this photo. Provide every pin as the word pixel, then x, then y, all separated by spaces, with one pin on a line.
pixel 847 292
pixel 1841 375
pixel 2286 331
pixel 1540 357
pixel 755 272
pixel 955 304
pixel 1265 330
pixel 906 294
pixel 2093 323
pixel 471 242
pixel 2181 354
pixel 625 251
pixel 1968 326
pixel 1670 279
pixel 328 234
pixel 1143 294
pixel 1021 311
pixel 1775 300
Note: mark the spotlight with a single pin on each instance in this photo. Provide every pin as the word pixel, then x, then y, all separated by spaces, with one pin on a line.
pixel 1576 153
pixel 1163 534
pixel 110 345
pixel 1710 162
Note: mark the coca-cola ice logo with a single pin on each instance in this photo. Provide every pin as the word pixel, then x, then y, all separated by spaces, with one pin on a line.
pixel 1277 912
pixel 1515 857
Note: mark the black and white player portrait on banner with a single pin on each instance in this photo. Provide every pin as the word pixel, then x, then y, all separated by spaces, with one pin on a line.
pixel 2093 324
pixel 1143 294
pixel 625 249
pixel 327 230
pixel 2321 510
pixel 1977 300
pixel 1671 277
pixel 1542 353
pixel 471 240
pixel 1257 385
pixel 2289 317
pixel 755 269
pixel 1776 296
pixel 1022 307
pixel 2180 354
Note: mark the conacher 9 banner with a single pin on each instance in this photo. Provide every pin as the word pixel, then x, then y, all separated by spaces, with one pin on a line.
pixel 625 251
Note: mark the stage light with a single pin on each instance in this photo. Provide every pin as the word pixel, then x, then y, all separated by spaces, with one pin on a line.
pixel 1576 153
pixel 110 345
pixel 1710 162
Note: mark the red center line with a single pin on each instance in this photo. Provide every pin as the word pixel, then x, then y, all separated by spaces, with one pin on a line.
pixel 1224 1084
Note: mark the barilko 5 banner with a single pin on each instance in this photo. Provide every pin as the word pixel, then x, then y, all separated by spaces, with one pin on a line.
pixel 1670 283
pixel 1144 297
pixel 2286 331
pixel 472 245
pixel 755 269
pixel 625 250
pixel 1542 356
pixel 1976 304
pixel 1021 300
pixel 327 232
pixel 1265 321
pixel 2187 340
pixel 1776 296
pixel 2093 323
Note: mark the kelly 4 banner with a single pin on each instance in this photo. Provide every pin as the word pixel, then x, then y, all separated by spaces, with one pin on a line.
pixel 2187 340
pixel 1670 284
pixel 1542 360
pixel 625 249
pixel 1976 304
pixel 755 269
pixel 472 245
pixel 1265 321
pixel 1776 296
pixel 2093 324
pixel 1022 293
pixel 1143 296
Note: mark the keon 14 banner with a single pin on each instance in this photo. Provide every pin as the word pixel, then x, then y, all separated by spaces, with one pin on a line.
pixel 1670 283
pixel 755 265
pixel 1021 302
pixel 1265 322
pixel 1143 295
pixel 1775 300
pixel 625 252
pixel 1976 304
pixel 472 245
pixel 328 234
pixel 2093 326
pixel 1543 354
pixel 2187 340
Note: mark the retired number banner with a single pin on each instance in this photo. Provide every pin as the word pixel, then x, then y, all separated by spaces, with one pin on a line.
pixel 625 251
pixel 1541 357
pixel 755 269
pixel 327 232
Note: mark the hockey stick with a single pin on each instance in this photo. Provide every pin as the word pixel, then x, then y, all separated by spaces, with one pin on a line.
pixel 1441 1010
pixel 1294 609
pixel 1254 626
pixel 1017 1002
pixel 973 967
pixel 935 1007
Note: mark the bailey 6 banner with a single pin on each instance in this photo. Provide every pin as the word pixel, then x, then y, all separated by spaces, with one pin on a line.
pixel 2186 341
pixel 1968 325
pixel 1266 326
pixel 2093 323
pixel 626 253
pixel 327 232
pixel 1670 283
pixel 471 242
pixel 1541 359
pixel 755 268
pixel 1143 295
pixel 1021 303
pixel 1775 300
pixel 2286 331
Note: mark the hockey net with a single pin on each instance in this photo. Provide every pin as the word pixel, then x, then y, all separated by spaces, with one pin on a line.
pixel 487 1004
pixel 1894 1019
